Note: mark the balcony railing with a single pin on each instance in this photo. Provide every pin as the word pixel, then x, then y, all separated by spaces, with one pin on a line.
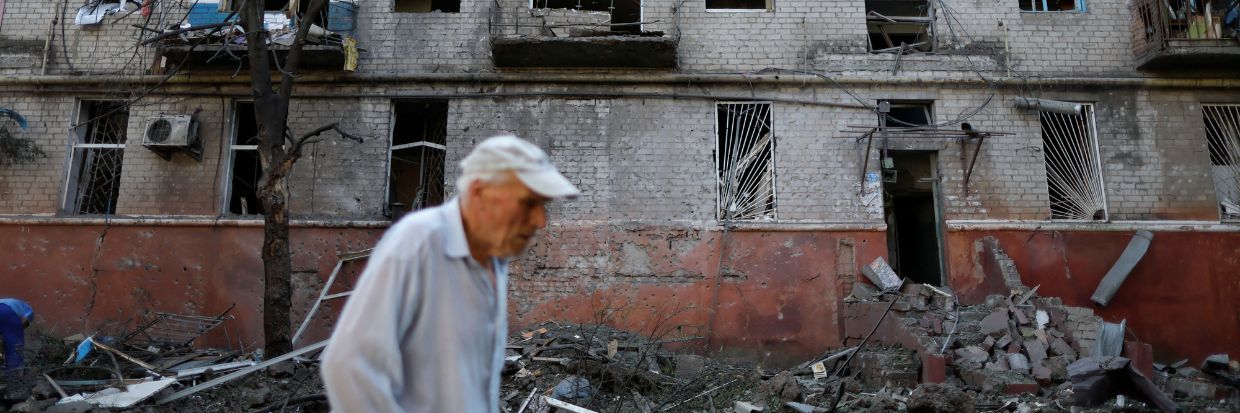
pixel 1175 35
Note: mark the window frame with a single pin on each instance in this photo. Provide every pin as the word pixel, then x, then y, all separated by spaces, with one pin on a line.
pixel 774 161
pixel 70 199
pixel 1233 158
pixel 230 148
pixel 387 181
pixel 770 8
pixel 1081 7
pixel 1092 124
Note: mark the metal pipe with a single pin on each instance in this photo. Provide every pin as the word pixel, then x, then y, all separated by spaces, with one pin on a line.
pixel 1053 106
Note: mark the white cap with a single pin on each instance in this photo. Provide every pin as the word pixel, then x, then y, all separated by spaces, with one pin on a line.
pixel 527 160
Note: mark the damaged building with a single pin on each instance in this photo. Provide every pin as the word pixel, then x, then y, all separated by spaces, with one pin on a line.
pixel 741 160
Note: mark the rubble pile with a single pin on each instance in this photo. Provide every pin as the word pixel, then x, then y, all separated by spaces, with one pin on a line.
pixel 598 368
pixel 156 367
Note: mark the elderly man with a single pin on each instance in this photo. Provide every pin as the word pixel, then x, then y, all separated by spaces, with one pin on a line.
pixel 425 329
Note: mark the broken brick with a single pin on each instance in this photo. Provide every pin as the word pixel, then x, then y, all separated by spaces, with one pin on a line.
pixel 1036 350
pixel 996 321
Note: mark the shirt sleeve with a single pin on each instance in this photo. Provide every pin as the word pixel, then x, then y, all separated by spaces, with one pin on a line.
pixel 362 367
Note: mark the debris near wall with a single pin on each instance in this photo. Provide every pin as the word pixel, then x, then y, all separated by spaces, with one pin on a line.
pixel 156 367
pixel 1021 346
pixel 598 368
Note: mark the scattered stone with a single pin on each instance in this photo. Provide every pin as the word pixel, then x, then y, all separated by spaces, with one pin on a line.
pixel 783 385
pixel 1004 342
pixel 863 291
pixel 689 366
pixel 1192 388
pixel 281 370
pixel 972 354
pixel 1017 361
pixel 1062 348
pixel 995 322
pixel 745 407
pixel 939 398
pixel 257 397
pixel 1036 350
pixel 573 387
pixel 1058 366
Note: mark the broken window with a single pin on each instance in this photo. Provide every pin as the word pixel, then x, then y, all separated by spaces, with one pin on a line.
pixel 271 6
pixel 1223 137
pixel 740 4
pixel 904 114
pixel 427 6
pixel 1052 5
pixel 626 15
pixel 899 26
pixel 745 161
pixel 1073 169
pixel 98 148
pixel 245 169
pixel 419 136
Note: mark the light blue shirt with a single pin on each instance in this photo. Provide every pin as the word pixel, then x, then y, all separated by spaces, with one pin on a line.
pixel 424 331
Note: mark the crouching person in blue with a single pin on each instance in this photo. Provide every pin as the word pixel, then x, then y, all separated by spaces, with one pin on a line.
pixel 15 316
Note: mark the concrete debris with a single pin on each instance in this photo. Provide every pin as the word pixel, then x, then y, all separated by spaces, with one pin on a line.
pixel 881 274
pixel 1097 379
pixel 940 398
pixel 745 407
pixel 573 387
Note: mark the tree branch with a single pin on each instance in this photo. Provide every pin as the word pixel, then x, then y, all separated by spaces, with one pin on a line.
pixel 293 61
pixel 301 141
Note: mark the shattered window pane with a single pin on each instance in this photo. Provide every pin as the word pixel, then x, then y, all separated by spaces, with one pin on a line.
pixel 1049 5
pixel 745 161
pixel 427 6
pixel 899 26
pixel 419 136
pixel 98 151
pixel 246 168
pixel 1223 138
pixel 1073 170
pixel 740 4
pixel 906 115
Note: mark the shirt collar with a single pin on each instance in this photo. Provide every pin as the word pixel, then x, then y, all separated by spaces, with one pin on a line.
pixel 455 243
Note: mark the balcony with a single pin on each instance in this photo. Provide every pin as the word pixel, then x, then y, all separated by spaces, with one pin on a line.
pixel 579 34
pixel 1177 37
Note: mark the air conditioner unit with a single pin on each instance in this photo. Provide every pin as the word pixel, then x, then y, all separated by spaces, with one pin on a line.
pixel 167 133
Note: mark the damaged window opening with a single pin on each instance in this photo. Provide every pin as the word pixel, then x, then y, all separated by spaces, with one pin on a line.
pixel 1223 137
pixel 624 13
pixel 904 114
pixel 98 150
pixel 745 161
pixel 246 168
pixel 419 136
pixel 735 5
pixel 899 26
pixel 278 6
pixel 1073 170
pixel 426 6
pixel 1052 5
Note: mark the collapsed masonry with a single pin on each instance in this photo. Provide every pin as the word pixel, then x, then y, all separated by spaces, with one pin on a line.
pixel 1015 344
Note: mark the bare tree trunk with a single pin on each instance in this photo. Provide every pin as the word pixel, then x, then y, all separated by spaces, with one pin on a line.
pixel 277 159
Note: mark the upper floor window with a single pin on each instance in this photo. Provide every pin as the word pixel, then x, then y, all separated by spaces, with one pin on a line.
pixel 97 142
pixel 738 5
pixel 426 6
pixel 899 26
pixel 1052 5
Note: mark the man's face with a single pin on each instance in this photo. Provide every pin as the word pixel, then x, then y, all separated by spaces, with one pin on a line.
pixel 510 214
